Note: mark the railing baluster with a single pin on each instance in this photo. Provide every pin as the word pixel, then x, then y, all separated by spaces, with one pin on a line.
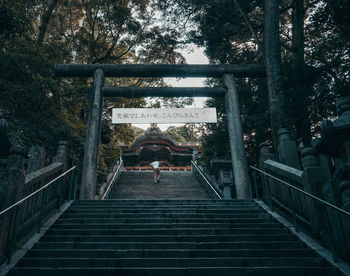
pixel 71 184
pixel 330 234
pixel 14 234
pixel 75 187
pixel 60 192
pixel 255 185
pixel 43 198
pixel 209 186
pixel 270 194
pixel 293 209
pixel 250 190
pixel 111 187
pixel 342 227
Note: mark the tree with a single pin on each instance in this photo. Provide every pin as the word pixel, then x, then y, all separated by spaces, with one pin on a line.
pixel 314 51
pixel 272 57
pixel 37 34
pixel 187 132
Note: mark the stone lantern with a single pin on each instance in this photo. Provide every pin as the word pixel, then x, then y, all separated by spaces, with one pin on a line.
pixel 335 143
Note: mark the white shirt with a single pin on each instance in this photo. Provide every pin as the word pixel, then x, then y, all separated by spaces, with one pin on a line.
pixel 155 164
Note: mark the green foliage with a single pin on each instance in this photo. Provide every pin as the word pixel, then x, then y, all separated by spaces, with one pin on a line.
pixel 173 133
pixel 138 132
pixel 36 34
pixel 310 90
pixel 185 133
pixel 42 109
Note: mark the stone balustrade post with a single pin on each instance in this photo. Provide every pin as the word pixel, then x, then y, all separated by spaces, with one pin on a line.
pixel 36 159
pixel 313 178
pixel 62 154
pixel 287 149
pixel 335 143
pixel 265 154
pixel 62 157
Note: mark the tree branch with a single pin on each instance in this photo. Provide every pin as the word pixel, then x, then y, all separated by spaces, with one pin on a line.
pixel 45 21
pixel 249 24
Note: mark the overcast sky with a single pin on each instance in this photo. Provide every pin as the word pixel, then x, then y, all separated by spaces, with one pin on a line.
pixel 195 57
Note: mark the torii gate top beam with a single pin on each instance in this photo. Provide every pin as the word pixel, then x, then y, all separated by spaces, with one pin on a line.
pixel 159 70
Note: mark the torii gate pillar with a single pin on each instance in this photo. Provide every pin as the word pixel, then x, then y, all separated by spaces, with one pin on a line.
pixel 92 141
pixel 234 125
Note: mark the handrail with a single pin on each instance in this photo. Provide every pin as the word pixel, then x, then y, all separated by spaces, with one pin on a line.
pixel 320 201
pixel 205 178
pixel 112 180
pixel 37 191
pixel 302 191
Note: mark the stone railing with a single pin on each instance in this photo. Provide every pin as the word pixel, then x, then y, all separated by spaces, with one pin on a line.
pixel 325 174
pixel 212 190
pixel 20 222
pixel 108 189
pixel 282 197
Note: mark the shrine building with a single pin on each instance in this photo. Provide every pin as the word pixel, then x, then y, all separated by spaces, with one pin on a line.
pixel 154 144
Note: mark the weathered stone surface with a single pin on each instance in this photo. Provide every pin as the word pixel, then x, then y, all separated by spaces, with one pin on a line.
pixel 36 158
pixel 89 176
pixel 234 125
pixel 309 158
pixel 172 185
pixel 43 173
pixel 265 154
pixel 335 143
pixel 287 150
pixel 313 176
pixel 62 154
pixel 286 171
pixel 335 134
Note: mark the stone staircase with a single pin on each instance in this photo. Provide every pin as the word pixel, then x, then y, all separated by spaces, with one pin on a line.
pixel 173 185
pixel 169 237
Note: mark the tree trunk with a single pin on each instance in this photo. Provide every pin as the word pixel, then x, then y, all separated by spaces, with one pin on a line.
pixel 298 33
pixel 272 59
pixel 284 144
pixel 45 21
pixel 302 123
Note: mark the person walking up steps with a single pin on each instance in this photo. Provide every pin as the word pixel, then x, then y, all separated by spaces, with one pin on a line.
pixel 156 170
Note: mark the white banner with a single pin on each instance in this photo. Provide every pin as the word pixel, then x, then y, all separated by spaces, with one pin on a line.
pixel 163 115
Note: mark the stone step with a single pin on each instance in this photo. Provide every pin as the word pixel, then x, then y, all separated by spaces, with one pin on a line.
pixel 165 225
pixel 142 174
pixel 169 238
pixel 161 203
pixel 167 231
pixel 174 185
pixel 170 245
pixel 164 201
pixel 151 195
pixel 164 207
pixel 177 271
pixel 173 262
pixel 164 215
pixel 166 253
pixel 164 211
pixel 164 237
pixel 163 220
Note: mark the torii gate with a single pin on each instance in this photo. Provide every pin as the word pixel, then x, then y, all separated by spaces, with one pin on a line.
pixel 100 71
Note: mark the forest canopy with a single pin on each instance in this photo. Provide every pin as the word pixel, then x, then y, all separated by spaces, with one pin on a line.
pixel 313 46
